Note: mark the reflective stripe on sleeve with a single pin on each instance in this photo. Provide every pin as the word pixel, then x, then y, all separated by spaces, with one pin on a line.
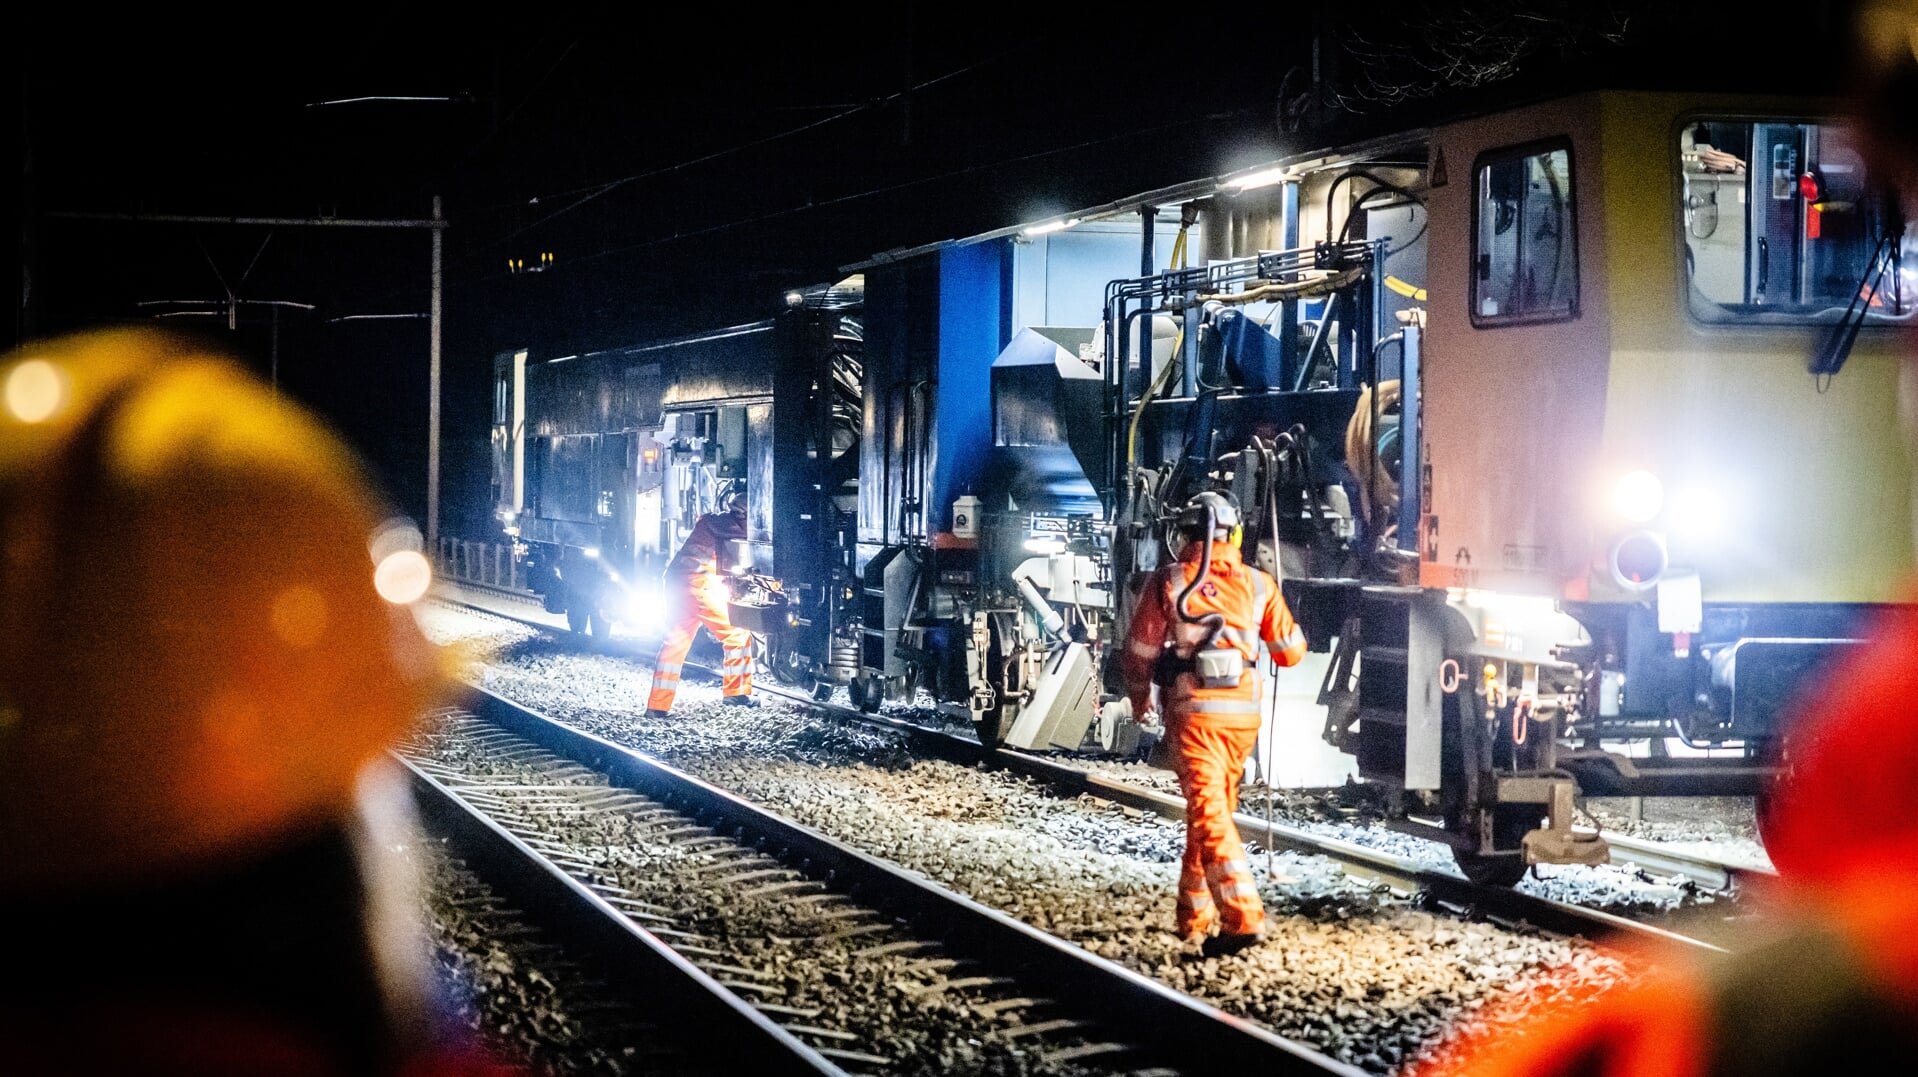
pixel 1143 648
pixel 669 667
pixel 665 678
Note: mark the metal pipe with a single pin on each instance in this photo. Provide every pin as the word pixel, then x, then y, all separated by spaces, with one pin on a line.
pixel 1049 618
pixel 433 385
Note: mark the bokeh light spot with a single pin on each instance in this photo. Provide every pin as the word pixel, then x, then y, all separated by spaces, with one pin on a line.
pixel 35 391
pixel 403 577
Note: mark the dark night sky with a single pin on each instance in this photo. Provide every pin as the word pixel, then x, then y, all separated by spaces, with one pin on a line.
pixel 683 168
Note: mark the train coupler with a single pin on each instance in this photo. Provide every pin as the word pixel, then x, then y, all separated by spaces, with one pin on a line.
pixel 1555 842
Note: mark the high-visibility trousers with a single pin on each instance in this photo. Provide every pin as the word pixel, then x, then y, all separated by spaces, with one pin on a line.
pixel 701 602
pixel 1216 887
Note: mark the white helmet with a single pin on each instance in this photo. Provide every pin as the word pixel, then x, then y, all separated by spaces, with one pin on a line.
pixel 1224 511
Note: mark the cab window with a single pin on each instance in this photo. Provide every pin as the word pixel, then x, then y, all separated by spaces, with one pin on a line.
pixel 1780 223
pixel 1525 236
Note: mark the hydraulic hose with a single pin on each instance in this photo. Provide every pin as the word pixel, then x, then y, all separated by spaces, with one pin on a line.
pixel 1215 621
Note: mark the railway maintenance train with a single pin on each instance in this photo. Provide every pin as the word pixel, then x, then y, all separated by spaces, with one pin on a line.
pixel 1571 431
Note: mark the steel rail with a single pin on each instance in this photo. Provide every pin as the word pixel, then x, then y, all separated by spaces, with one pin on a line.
pixel 1178 1025
pixel 1400 873
pixel 740 1036
pixel 1662 858
pixel 1397 872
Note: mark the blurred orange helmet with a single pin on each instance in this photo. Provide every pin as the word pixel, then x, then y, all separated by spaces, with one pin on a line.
pixel 195 658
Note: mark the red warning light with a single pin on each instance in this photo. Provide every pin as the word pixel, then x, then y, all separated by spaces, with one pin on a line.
pixel 1810 189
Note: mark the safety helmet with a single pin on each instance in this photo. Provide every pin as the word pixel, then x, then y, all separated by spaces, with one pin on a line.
pixel 735 502
pixel 1223 507
pixel 195 656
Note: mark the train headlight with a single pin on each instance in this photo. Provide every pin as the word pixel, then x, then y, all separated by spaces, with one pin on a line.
pixel 1638 496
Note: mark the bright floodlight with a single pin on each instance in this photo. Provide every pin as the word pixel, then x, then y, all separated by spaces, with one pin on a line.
pixel 1256 180
pixel 35 390
pixel 1048 227
pixel 1638 496
pixel 403 577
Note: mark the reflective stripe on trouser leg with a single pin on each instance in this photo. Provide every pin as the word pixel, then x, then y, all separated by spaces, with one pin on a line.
pixel 1195 911
pixel 736 668
pixel 1210 762
pixel 672 657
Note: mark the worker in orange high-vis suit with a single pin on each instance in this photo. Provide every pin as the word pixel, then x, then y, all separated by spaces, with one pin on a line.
pixel 1196 634
pixel 695 583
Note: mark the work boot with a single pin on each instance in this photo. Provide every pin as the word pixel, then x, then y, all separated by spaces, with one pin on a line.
pixel 740 701
pixel 651 713
pixel 1192 946
pixel 1227 945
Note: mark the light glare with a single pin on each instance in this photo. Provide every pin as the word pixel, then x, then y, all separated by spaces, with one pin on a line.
pixel 1699 514
pixel 35 391
pixel 1638 496
pixel 403 577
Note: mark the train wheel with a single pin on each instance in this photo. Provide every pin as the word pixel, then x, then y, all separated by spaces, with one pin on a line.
pixel 865 692
pixel 991 727
pixel 789 666
pixel 576 617
pixel 1510 824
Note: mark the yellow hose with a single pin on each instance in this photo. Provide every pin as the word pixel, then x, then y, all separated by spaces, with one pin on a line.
pixel 1158 384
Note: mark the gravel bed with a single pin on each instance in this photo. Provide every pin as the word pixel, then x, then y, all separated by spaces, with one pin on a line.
pixel 1358 973
pixel 531 1004
pixel 851 980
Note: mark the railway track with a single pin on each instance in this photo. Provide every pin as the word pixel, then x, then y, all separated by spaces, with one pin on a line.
pixel 1401 873
pixel 808 955
pixel 1372 974
pixel 531 998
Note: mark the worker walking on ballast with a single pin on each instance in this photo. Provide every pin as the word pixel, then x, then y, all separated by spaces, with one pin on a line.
pixel 696 584
pixel 1196 634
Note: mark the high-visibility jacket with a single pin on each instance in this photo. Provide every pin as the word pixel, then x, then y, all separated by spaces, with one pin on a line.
pixel 700 551
pixel 1255 616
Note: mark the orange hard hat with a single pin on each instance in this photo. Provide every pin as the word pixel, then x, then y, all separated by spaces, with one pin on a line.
pixel 195 658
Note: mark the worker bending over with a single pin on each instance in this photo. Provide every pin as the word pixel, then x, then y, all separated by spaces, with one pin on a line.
pixel 1196 634
pixel 695 583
